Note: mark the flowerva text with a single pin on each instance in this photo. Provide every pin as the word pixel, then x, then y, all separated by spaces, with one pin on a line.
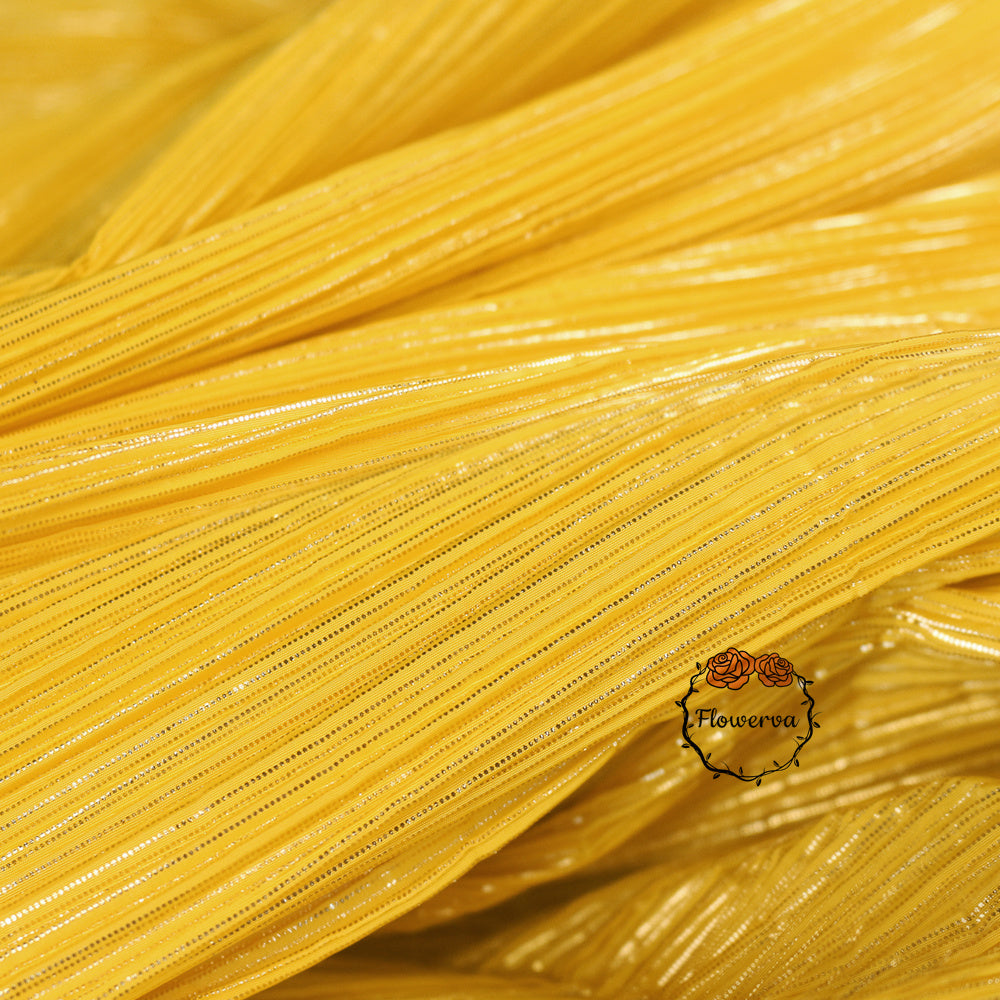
pixel 711 717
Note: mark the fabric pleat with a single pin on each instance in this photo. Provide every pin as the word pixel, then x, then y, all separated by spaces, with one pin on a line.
pixel 400 403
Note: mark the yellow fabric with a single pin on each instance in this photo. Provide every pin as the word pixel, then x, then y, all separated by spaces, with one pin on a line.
pixel 398 402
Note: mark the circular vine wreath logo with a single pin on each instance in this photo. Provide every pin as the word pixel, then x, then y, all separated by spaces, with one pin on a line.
pixel 768 715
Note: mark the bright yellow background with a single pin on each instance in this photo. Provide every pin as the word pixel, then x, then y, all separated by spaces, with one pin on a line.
pixel 399 399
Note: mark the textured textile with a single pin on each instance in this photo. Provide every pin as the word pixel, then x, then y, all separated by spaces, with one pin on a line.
pixel 400 401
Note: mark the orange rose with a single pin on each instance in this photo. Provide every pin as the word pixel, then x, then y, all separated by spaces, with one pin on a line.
pixel 774 670
pixel 731 669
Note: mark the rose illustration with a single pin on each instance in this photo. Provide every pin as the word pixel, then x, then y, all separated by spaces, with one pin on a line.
pixel 731 669
pixel 765 729
pixel 774 670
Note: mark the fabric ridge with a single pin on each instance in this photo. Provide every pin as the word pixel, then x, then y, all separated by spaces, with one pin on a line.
pixel 401 403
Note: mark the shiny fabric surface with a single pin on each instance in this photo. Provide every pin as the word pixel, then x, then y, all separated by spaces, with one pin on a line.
pixel 398 403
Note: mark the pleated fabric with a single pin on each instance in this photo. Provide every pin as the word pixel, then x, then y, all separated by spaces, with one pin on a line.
pixel 399 402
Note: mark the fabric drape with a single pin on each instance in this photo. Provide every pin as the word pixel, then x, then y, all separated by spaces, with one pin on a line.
pixel 399 402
